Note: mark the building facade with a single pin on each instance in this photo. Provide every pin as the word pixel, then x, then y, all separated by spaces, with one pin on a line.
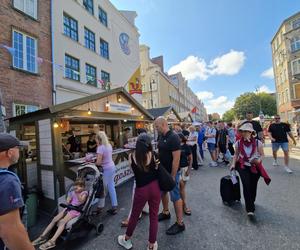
pixel 25 47
pixel 286 65
pixel 96 47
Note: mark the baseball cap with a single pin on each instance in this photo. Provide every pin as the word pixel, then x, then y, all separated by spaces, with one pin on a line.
pixel 8 141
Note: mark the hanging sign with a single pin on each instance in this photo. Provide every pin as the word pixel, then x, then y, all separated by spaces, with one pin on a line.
pixel 119 108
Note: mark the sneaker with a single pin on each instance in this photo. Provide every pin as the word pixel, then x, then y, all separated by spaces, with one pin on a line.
pixel 127 244
pixel 214 164
pixel 175 229
pixel 162 216
pixel 275 163
pixel 251 216
pixel 288 170
pixel 155 246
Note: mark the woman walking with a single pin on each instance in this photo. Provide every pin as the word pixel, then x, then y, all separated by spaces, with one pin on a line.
pixel 248 162
pixel 147 190
pixel 104 160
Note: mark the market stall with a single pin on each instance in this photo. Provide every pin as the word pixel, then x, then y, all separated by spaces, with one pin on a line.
pixel 50 163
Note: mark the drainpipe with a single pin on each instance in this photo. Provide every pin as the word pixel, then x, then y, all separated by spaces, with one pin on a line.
pixel 2 124
pixel 52 56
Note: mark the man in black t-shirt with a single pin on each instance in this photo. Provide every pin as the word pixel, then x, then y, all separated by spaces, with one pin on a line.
pixel 12 231
pixel 256 125
pixel 278 132
pixel 169 156
pixel 91 144
pixel 223 140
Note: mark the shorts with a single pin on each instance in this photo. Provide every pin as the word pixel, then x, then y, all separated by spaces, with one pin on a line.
pixel 71 213
pixel 211 147
pixel 183 177
pixel 175 193
pixel 222 148
pixel 283 145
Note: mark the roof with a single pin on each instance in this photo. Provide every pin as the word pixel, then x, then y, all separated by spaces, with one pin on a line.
pixel 156 112
pixel 70 104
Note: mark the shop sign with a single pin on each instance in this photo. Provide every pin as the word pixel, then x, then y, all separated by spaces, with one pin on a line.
pixel 123 172
pixel 118 108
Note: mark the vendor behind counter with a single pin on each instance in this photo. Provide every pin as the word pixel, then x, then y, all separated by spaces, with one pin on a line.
pixel 91 144
pixel 74 142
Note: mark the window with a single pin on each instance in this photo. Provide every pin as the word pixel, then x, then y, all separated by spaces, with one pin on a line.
pixel 89 6
pixel 89 39
pixel 21 109
pixel 29 7
pixel 105 76
pixel 296 67
pixel 103 16
pixel 295 44
pixel 90 72
pixel 25 52
pixel 70 27
pixel 104 50
pixel 72 68
pixel 296 23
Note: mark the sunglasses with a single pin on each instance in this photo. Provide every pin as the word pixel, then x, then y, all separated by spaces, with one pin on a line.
pixel 277 118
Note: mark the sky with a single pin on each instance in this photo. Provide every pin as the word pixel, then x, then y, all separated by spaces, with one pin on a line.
pixel 222 47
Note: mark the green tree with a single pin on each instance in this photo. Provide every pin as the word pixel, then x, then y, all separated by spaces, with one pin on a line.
pixel 268 104
pixel 229 115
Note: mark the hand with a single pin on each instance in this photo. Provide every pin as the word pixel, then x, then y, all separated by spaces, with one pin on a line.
pixel 295 143
pixel 232 167
pixel 187 173
pixel 272 139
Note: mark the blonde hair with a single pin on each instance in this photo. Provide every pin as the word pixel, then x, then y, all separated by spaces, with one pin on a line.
pixel 102 138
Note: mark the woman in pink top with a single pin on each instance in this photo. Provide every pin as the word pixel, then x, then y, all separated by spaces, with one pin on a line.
pixel 104 159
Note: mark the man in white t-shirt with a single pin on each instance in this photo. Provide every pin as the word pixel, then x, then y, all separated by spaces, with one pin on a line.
pixel 211 133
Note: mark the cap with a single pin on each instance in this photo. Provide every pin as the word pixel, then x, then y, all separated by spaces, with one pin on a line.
pixel 247 127
pixel 143 140
pixel 8 141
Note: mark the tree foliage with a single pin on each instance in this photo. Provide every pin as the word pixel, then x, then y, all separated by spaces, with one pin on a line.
pixel 229 115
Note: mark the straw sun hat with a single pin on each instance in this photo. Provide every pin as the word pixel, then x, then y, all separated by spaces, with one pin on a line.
pixel 247 127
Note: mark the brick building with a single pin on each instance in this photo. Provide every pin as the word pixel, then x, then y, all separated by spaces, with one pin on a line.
pixel 25 68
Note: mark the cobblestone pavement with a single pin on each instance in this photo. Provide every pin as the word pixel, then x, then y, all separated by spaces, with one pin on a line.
pixel 213 225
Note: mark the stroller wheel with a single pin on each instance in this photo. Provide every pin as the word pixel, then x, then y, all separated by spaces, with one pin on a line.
pixel 99 228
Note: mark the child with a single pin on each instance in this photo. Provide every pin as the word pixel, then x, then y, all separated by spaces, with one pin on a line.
pixel 75 198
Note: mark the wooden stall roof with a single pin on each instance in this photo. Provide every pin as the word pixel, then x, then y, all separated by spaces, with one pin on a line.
pixel 71 104
pixel 156 112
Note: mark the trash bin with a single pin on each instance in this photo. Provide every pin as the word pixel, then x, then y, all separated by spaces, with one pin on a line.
pixel 31 204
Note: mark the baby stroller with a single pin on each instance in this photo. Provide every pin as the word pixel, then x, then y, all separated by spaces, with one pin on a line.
pixel 79 226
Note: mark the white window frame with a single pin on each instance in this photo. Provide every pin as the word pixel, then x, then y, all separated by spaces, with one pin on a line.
pixel 298 72
pixel 25 51
pixel 24 105
pixel 294 21
pixel 23 8
pixel 295 41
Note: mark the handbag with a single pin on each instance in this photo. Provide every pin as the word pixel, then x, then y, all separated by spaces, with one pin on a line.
pixel 165 180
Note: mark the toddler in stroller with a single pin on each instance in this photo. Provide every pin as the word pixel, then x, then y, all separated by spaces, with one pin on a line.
pixel 76 198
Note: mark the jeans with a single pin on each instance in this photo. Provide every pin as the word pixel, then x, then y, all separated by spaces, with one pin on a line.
pixel 109 184
pixel 175 192
pixel 151 194
pixel 249 181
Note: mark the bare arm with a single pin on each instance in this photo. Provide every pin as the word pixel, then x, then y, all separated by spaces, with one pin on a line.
pixel 260 150
pixel 190 160
pixel 235 158
pixel 13 233
pixel 175 163
pixel 99 159
pixel 270 136
pixel 82 197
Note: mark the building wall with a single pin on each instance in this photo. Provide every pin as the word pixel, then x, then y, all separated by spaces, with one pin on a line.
pixel 119 65
pixel 19 86
pixel 288 100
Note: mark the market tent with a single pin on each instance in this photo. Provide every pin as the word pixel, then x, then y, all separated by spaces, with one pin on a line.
pixel 168 112
pixel 186 117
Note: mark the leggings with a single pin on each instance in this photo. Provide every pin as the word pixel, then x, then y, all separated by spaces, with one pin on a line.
pixel 151 194
pixel 109 184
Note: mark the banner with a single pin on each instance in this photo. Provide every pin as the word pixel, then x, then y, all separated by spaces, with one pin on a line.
pixel 134 83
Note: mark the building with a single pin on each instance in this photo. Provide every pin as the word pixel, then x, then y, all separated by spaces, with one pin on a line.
pixel 286 65
pixel 25 47
pixel 158 90
pixel 96 47
pixel 161 90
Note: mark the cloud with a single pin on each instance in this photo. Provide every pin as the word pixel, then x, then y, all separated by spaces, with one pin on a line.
pixel 219 105
pixel 264 88
pixel 204 95
pixel 268 73
pixel 194 67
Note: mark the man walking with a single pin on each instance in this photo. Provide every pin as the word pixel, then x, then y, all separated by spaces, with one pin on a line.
pixel 223 140
pixel 256 126
pixel 169 156
pixel 13 235
pixel 211 134
pixel 278 132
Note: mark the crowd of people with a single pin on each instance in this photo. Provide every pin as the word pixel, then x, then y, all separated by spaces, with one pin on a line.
pixel 180 150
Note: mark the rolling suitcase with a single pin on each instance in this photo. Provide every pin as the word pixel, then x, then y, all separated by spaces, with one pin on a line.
pixel 230 189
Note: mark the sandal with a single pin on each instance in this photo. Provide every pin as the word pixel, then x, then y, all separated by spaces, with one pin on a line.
pixel 112 211
pixel 48 245
pixel 124 223
pixel 40 240
pixel 187 211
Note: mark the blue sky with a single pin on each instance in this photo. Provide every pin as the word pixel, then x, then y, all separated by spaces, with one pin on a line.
pixel 221 46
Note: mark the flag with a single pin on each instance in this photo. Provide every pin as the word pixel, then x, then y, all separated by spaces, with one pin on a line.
pixel 194 110
pixel 9 49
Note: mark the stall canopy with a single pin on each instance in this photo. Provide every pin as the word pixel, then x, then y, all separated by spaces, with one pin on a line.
pixel 186 117
pixel 168 112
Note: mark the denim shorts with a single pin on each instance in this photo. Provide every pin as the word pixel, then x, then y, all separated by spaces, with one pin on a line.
pixel 211 147
pixel 175 193
pixel 283 145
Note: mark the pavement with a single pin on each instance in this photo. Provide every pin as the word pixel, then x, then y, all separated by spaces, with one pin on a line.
pixel 213 225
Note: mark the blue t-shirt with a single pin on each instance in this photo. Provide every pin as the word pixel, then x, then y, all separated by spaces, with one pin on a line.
pixel 10 193
pixel 201 135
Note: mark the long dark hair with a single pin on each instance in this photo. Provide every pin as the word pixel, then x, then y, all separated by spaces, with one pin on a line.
pixel 143 147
